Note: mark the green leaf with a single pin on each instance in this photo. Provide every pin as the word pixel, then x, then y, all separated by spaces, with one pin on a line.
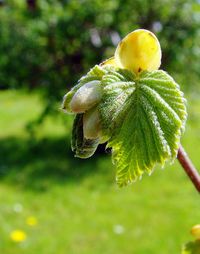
pixel 145 117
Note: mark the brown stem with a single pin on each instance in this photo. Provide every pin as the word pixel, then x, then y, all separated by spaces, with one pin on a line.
pixel 189 167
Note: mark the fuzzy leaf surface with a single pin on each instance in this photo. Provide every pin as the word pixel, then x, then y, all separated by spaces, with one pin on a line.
pixel 145 117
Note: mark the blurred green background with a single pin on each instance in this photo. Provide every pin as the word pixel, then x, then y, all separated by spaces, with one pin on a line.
pixel 61 204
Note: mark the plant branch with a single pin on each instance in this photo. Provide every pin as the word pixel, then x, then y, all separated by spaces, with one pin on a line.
pixel 189 168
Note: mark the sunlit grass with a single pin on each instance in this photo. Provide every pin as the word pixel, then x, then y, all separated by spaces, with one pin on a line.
pixel 75 203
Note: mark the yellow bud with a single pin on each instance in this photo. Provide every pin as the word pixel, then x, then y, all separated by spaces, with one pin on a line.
pixel 86 97
pixel 195 231
pixel 139 50
pixel 31 221
pixel 91 124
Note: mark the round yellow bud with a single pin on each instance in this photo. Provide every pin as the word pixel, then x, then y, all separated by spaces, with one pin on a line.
pixel 139 50
pixel 195 231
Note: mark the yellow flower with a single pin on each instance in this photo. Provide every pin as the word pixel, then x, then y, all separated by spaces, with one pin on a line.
pixel 195 231
pixel 18 236
pixel 31 221
pixel 139 50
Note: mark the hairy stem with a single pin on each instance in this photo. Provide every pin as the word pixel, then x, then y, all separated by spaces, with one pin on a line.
pixel 189 168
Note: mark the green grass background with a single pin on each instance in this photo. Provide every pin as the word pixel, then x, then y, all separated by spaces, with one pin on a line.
pixel 76 202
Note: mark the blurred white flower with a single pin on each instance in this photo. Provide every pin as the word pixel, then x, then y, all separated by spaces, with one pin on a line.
pixel 18 208
pixel 118 229
pixel 95 37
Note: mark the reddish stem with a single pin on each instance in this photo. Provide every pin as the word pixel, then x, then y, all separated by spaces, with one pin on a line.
pixel 189 167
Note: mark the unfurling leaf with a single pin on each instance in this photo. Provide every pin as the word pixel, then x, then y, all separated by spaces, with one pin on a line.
pixel 85 138
pixel 94 75
pixel 82 147
pixel 86 97
pixel 144 116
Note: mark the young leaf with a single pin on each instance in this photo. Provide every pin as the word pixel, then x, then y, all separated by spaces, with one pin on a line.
pixel 145 116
